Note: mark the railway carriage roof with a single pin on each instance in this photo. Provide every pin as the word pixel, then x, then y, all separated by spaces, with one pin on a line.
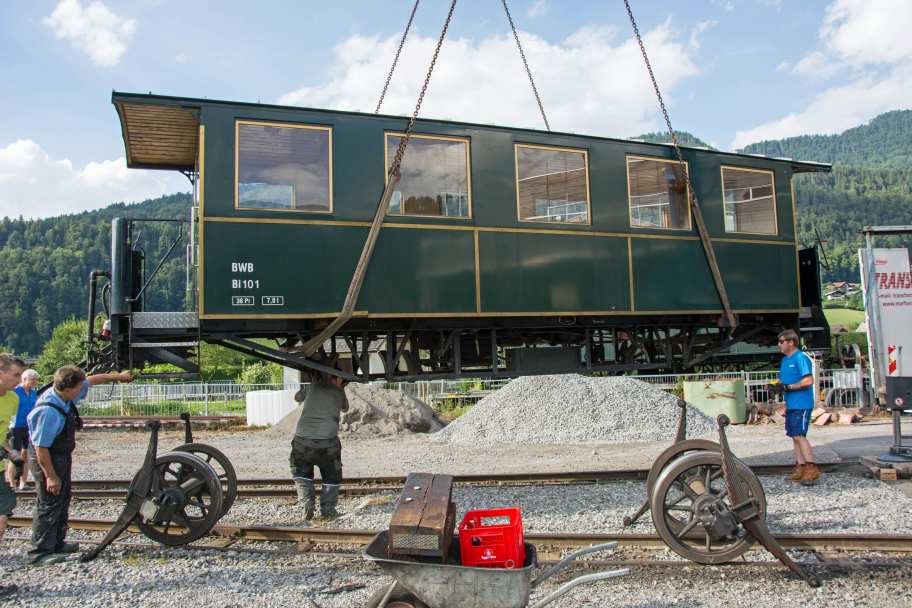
pixel 162 132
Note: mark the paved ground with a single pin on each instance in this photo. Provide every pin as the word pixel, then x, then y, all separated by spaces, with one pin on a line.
pixel 258 453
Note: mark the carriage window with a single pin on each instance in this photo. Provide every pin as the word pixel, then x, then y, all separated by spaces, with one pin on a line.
pixel 283 167
pixel 552 185
pixel 434 178
pixel 658 194
pixel 750 203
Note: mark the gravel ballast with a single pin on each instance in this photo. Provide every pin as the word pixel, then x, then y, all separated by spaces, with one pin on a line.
pixel 573 409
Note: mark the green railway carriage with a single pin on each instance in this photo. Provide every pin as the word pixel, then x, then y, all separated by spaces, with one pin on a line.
pixel 503 251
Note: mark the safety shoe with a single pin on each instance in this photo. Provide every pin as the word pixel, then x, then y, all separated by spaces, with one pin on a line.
pixel 797 473
pixel 330 514
pixel 45 559
pixel 67 548
pixel 811 474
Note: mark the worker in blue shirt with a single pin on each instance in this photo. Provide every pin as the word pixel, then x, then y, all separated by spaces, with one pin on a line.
pixel 52 431
pixel 28 396
pixel 796 380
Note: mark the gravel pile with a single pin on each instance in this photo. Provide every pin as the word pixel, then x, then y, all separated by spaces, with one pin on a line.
pixel 573 409
pixel 373 411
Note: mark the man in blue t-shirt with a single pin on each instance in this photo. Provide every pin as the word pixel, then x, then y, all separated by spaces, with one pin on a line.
pixel 796 380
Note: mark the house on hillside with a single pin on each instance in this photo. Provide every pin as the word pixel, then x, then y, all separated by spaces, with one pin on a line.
pixel 841 290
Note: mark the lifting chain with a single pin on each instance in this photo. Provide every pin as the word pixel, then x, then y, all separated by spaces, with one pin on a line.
pixel 731 320
pixel 389 76
pixel 541 107
pixel 400 151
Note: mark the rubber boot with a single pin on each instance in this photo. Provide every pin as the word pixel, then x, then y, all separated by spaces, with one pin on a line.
pixel 328 499
pixel 306 496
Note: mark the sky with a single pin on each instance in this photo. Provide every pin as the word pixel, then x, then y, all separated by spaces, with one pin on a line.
pixel 732 72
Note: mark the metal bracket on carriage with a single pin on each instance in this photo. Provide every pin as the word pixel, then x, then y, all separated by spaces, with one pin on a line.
pixel 136 495
pixel 178 497
pixel 746 510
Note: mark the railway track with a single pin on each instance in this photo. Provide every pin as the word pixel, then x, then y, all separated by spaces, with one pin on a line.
pixel 225 535
pixel 282 487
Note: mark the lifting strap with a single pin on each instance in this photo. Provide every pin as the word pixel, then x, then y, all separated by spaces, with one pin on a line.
pixel 367 251
pixel 730 318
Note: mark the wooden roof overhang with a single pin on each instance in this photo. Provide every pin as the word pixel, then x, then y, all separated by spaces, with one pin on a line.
pixel 158 134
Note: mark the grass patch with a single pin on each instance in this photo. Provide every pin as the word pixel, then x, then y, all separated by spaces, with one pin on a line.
pixel 844 316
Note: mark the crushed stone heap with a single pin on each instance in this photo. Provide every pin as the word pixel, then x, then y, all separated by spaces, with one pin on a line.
pixel 573 409
pixel 373 411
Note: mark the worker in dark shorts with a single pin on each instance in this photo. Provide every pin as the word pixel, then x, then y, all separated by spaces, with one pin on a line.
pixel 796 380
pixel 316 442
pixel 28 396
pixel 52 433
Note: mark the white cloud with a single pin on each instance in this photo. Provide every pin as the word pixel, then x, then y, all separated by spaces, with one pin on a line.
pixel 697 31
pixel 867 44
pixel 33 184
pixel 95 30
pixel 588 82
pixel 817 65
pixel 539 8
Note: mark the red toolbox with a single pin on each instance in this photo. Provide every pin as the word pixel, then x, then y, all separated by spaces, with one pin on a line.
pixel 492 538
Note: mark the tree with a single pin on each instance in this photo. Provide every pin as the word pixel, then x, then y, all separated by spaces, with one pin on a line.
pixel 66 347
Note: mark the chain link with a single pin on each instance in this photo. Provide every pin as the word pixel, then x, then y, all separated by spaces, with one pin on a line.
pixel 400 151
pixel 655 85
pixel 691 192
pixel 389 76
pixel 541 107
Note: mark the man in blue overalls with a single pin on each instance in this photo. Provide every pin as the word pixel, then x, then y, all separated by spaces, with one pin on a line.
pixel 796 380
pixel 52 431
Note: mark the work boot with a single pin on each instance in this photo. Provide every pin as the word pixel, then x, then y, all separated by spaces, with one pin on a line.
pixel 328 499
pixel 811 474
pixel 67 548
pixel 797 473
pixel 307 496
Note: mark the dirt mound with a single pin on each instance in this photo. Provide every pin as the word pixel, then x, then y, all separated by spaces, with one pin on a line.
pixel 373 411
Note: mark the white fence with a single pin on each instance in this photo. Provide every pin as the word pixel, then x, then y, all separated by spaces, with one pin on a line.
pixel 171 399
pixel 847 388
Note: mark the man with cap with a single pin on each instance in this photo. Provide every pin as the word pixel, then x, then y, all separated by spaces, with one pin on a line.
pixel 52 433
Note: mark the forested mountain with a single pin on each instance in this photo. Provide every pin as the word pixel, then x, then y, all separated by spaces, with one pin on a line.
pixel 871 184
pixel 885 142
pixel 684 139
pixel 45 266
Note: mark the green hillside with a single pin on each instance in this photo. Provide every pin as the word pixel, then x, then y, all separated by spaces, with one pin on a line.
pixel 885 142
pixel 871 184
pixel 684 139
pixel 45 266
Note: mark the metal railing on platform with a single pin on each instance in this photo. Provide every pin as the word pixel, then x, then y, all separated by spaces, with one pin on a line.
pixel 836 388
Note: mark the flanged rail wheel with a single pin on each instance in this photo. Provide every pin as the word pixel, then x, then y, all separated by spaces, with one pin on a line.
pixel 184 501
pixel 223 468
pixel 691 508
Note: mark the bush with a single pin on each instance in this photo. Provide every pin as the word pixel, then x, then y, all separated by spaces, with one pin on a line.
pixel 261 372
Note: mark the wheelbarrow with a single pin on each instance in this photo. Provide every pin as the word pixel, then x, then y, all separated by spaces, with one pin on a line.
pixel 438 585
